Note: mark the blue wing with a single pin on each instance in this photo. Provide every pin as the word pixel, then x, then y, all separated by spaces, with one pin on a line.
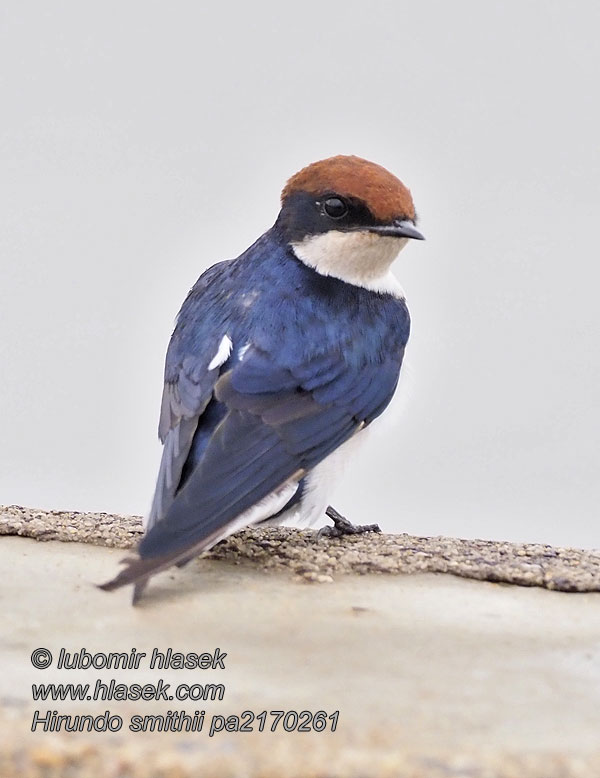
pixel 187 405
pixel 278 423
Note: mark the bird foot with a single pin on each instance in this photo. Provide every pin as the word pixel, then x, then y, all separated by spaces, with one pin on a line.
pixel 341 526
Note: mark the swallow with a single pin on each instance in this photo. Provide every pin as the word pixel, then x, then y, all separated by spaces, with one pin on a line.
pixel 278 361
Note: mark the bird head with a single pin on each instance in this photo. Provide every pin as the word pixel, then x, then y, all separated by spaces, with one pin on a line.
pixel 347 217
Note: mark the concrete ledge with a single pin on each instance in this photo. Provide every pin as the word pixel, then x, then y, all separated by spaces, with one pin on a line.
pixel 303 554
pixel 434 676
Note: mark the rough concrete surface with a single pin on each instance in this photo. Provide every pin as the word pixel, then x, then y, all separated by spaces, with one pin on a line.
pixel 302 553
pixel 433 675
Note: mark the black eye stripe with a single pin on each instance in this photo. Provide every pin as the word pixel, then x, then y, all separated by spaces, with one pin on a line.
pixel 335 207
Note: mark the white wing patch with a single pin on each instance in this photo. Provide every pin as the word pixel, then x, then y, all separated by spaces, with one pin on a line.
pixel 222 354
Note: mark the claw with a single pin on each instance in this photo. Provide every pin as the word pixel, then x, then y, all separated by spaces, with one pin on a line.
pixel 344 527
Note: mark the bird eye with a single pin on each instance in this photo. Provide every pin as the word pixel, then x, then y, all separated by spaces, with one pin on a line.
pixel 335 207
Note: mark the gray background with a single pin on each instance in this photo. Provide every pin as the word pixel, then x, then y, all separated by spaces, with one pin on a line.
pixel 143 141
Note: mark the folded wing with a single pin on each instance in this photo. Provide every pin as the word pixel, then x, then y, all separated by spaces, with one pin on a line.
pixel 280 421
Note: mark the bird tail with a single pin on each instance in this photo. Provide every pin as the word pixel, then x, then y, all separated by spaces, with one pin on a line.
pixel 138 570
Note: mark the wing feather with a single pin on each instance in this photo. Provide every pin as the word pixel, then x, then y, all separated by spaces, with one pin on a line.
pixel 273 429
pixel 187 391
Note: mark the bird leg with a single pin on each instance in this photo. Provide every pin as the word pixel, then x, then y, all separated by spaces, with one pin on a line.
pixel 344 527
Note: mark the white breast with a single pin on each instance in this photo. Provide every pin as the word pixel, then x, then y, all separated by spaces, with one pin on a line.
pixel 319 485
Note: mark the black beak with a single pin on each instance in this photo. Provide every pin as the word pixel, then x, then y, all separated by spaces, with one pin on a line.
pixel 398 229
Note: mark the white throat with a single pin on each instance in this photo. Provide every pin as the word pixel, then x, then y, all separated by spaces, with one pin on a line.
pixel 359 258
